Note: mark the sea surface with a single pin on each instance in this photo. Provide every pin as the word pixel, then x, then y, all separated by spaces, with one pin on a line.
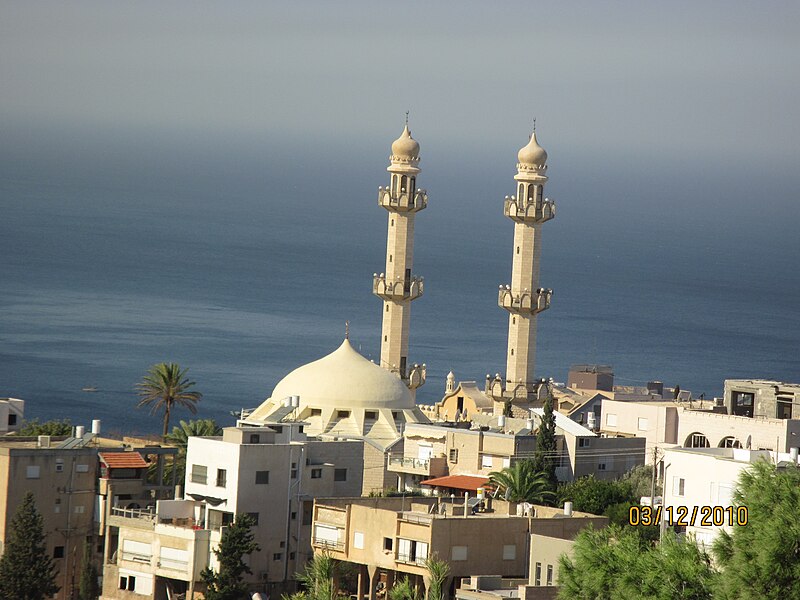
pixel 243 259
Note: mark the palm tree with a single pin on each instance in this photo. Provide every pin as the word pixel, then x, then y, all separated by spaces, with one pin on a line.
pixel 179 436
pixel 165 386
pixel 403 590
pixel 438 572
pixel 522 483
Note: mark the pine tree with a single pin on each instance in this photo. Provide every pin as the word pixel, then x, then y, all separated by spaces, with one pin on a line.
pixel 237 541
pixel 26 571
pixel 88 588
pixel 544 457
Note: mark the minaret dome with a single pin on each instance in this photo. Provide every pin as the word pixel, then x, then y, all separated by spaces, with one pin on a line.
pixel 405 147
pixel 532 155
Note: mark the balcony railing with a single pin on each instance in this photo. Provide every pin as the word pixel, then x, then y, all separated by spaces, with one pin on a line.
pixel 529 211
pixel 409 288
pixel 134 513
pixel 530 302
pixel 402 201
pixel 173 565
pixel 328 544
pixel 408 558
pixel 433 467
pixel 136 557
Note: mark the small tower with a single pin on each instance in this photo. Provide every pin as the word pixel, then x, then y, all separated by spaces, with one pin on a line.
pixel 523 298
pixel 396 286
pixel 450 384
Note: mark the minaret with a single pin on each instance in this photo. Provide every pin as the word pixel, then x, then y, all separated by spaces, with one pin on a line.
pixel 523 298
pixel 396 286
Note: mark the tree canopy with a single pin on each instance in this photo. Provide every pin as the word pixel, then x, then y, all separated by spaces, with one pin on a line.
pixel 613 563
pixel 546 453
pixel 26 570
pixel 521 482
pixel 166 386
pixel 53 427
pixel 237 541
pixel 762 559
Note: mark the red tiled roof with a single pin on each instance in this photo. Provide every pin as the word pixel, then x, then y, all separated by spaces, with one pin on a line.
pixel 123 460
pixel 469 483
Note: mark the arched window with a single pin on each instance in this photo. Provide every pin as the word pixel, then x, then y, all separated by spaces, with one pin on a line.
pixel 696 440
pixel 730 442
pixel 539 193
pixel 403 181
pixel 531 190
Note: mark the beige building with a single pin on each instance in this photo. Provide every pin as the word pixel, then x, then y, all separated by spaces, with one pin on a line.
pixel 63 481
pixel 12 411
pixel 760 398
pixel 158 552
pixel 273 473
pixel 391 537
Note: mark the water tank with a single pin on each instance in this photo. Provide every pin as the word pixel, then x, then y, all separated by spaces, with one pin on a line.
pixel 567 509
pixel 96 426
pixel 501 421
pixel 80 430
pixel 793 452
pixel 295 401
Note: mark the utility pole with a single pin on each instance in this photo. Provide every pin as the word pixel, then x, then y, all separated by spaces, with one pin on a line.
pixel 653 482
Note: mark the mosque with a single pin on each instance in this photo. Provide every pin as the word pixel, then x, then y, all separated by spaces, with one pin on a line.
pixel 345 396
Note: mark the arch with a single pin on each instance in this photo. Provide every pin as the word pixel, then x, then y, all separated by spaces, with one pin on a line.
pixel 403 183
pixel 696 440
pixel 729 442
pixel 531 191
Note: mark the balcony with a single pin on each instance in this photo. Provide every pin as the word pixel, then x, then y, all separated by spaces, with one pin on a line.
pixel 402 201
pixel 431 467
pixel 529 212
pixel 327 544
pixel 409 288
pixel 525 302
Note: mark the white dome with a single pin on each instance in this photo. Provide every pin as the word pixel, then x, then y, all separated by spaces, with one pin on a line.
pixel 533 154
pixel 341 380
pixel 405 146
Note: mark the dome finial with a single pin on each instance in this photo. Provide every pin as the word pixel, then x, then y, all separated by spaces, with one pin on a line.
pixel 347 330
pixel 534 124
pixel 406 118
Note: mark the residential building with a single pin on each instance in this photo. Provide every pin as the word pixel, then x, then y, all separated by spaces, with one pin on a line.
pixel 697 478
pixel 12 411
pixel 762 398
pixel 272 473
pixel 390 537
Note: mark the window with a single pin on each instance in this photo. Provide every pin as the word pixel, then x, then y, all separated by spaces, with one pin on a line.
pixel 199 474
pixel 678 486
pixel 583 442
pixel 340 474
pixel 277 428
pixel 358 540
pixel 316 473
pixel 222 477
pixel 538 574
pixel 58 552
pixel 254 516
pixel 506 462
pixel 601 466
pixel 342 414
pixel 32 472
pixel 611 420
pixel 549 574
pixel 510 552
pixel 486 462
pixel 294 516
pixel 642 424
pixel 283 544
pixel 12 419
pixel 696 440
pixel 57 507
pixel 316 412
pixel 458 553
pixel 308 508
pixel 59 465
pixel 453 455
pixel 79 510
pixel 262 477
pixel 371 414
pixel 255 438
pixel 81 468
pixel 291 555
pixel 388 543
pixel 127 582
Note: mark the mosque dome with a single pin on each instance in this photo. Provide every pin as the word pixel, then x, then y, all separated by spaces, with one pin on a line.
pixel 405 147
pixel 532 155
pixel 342 380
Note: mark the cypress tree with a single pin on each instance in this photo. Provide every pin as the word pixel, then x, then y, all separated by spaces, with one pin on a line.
pixel 26 570
pixel 88 588
pixel 546 452
pixel 237 541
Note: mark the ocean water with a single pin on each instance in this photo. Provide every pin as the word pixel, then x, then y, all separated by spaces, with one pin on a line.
pixel 243 262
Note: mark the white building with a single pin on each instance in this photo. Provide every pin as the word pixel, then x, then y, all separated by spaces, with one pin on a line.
pixel 12 411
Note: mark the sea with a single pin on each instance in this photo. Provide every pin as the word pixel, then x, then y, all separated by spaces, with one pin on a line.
pixel 242 258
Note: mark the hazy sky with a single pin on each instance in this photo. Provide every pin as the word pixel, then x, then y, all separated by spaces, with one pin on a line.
pixel 694 81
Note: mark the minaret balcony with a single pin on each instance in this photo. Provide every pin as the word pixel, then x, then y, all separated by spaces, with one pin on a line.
pixel 416 376
pixel 402 201
pixel 529 211
pixel 525 302
pixel 409 288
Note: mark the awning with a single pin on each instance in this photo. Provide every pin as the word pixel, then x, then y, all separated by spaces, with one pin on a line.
pixel 468 483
